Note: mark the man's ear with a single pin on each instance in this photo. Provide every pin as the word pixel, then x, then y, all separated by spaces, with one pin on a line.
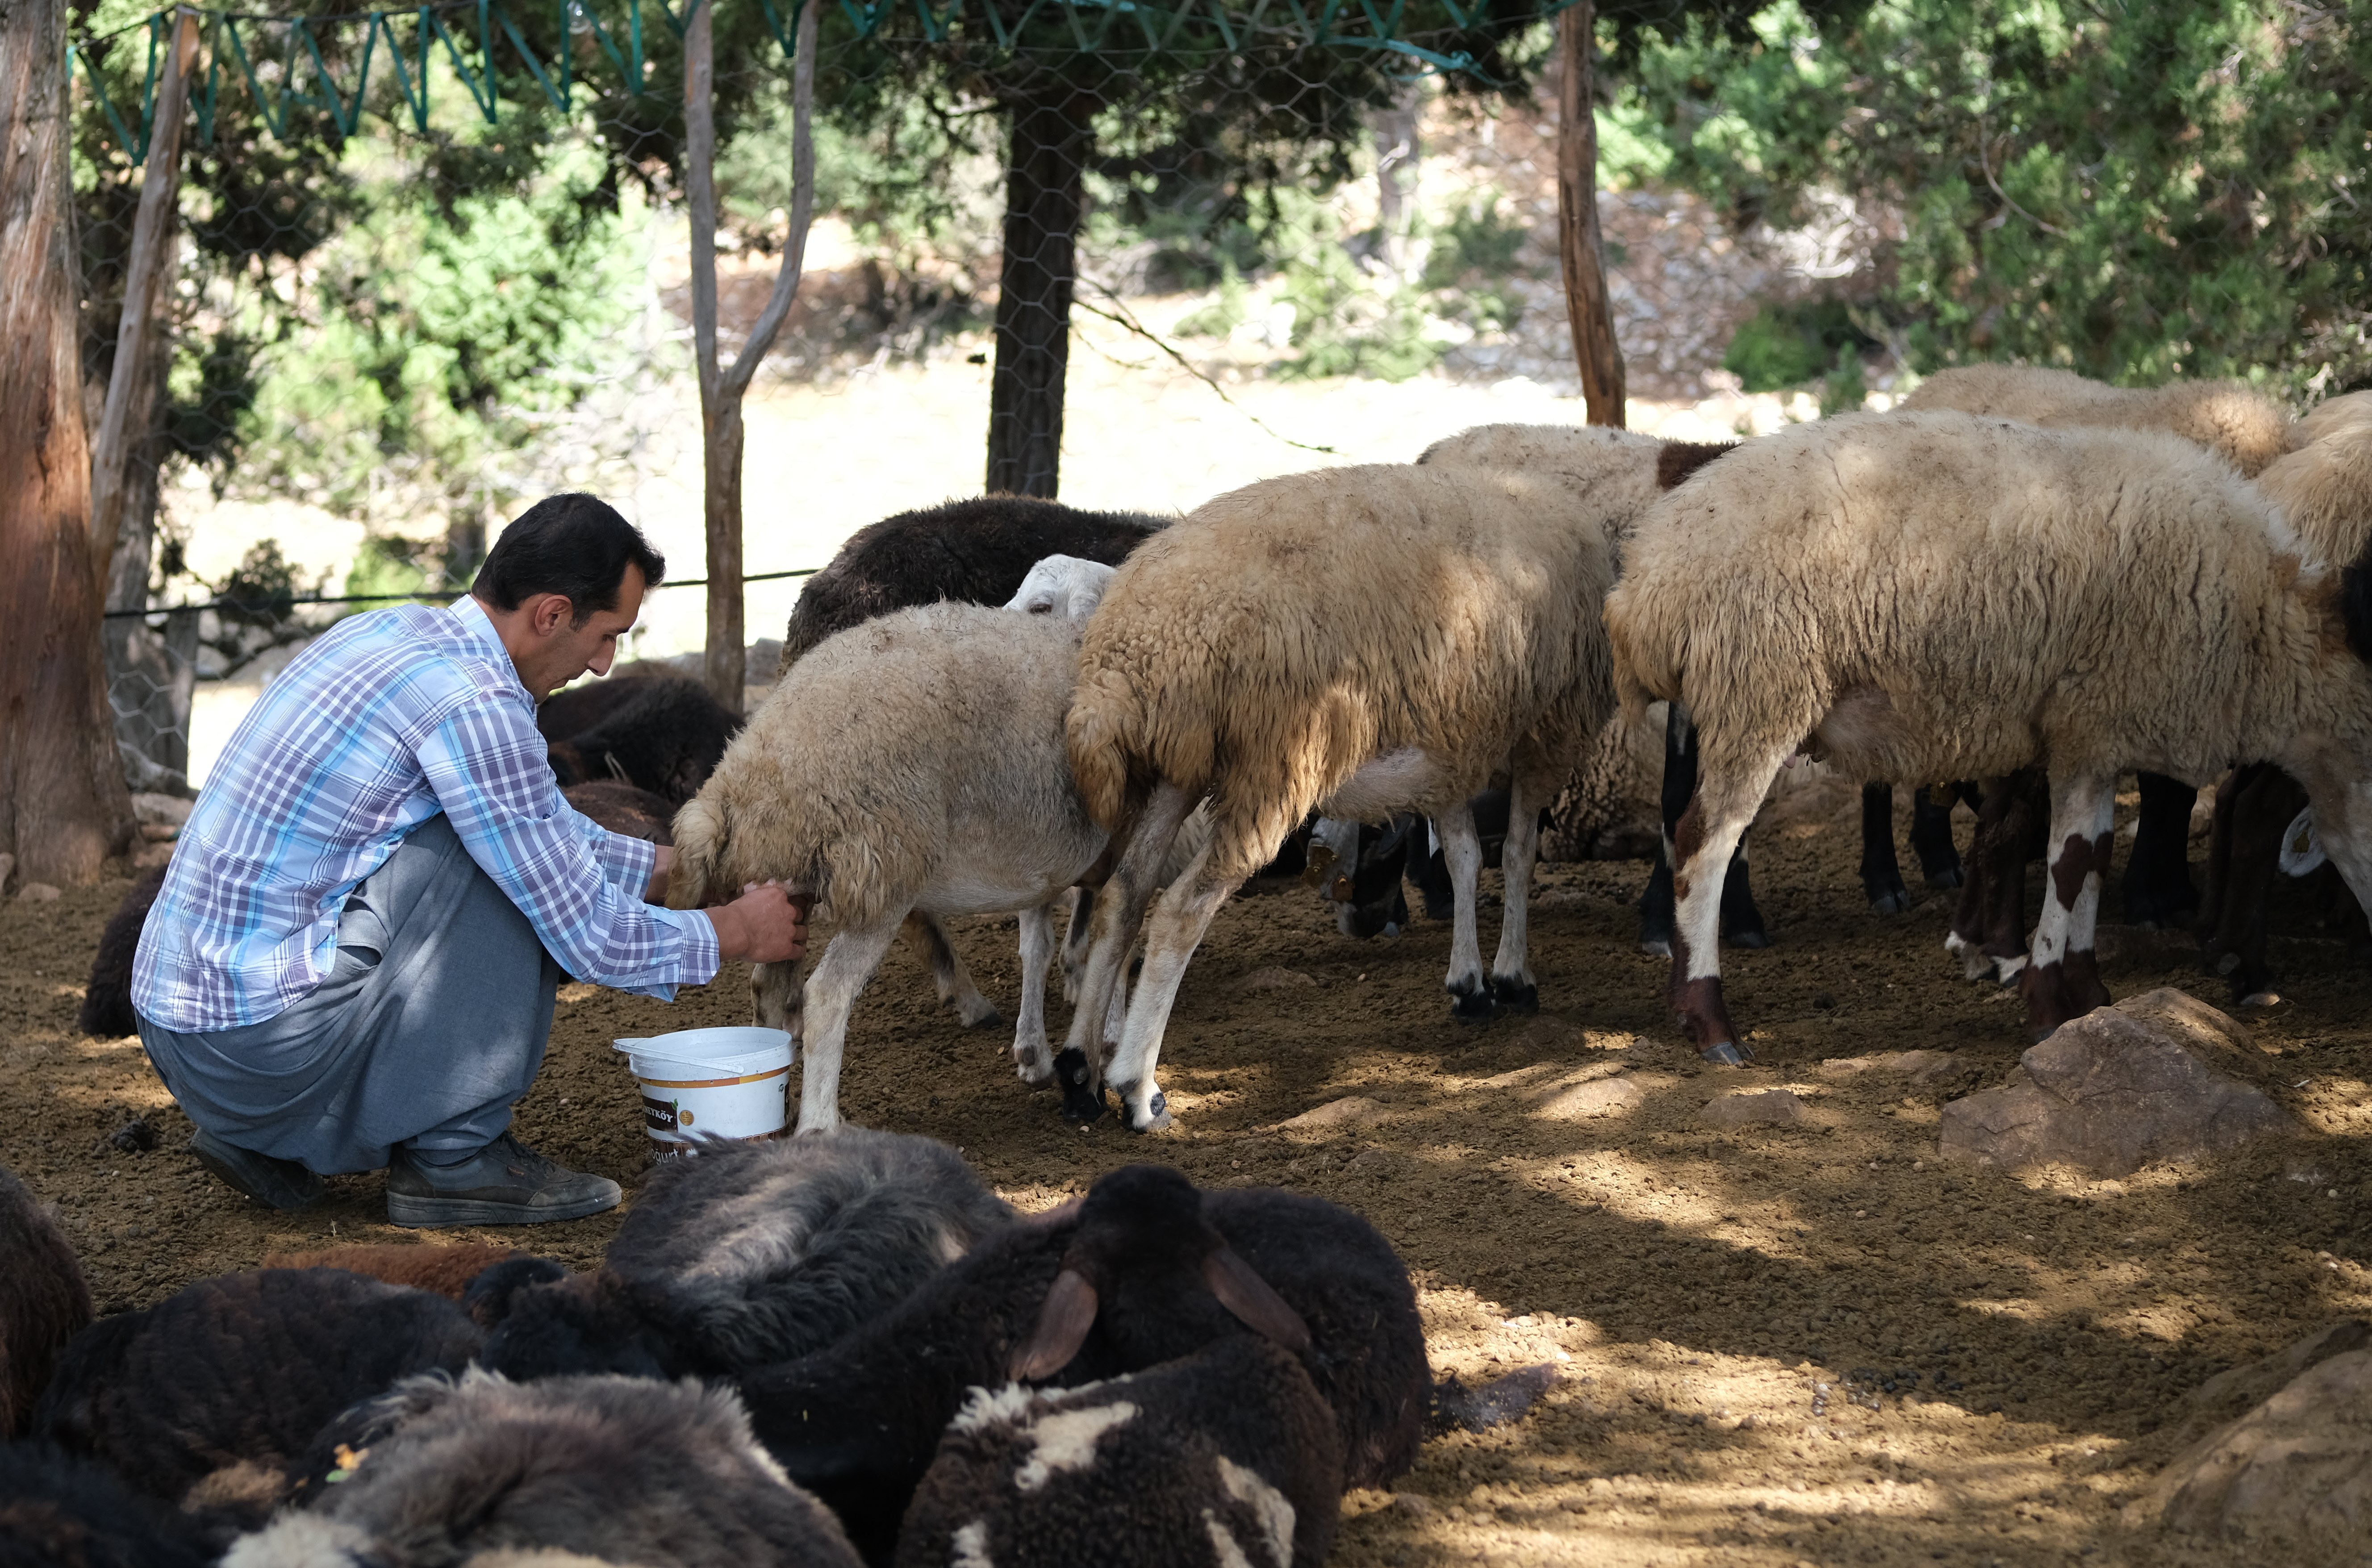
pixel 550 611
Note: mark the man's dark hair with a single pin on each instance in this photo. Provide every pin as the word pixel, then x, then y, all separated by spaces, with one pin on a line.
pixel 573 545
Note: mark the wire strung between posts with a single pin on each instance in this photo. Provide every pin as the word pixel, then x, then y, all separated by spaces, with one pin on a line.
pixel 440 596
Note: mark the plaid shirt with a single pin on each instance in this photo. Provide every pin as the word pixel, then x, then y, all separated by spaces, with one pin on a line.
pixel 387 719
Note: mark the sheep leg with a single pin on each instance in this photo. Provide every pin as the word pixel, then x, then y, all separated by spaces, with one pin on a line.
pixel 1720 802
pixel 2157 888
pixel 1076 938
pixel 1656 905
pixel 1882 874
pixel 1931 835
pixel 1988 933
pixel 1511 975
pixel 1031 1055
pixel 1461 846
pixel 1741 922
pixel 1179 917
pixel 1120 912
pixel 2253 810
pixel 775 996
pixel 847 963
pixel 933 946
pixel 2063 981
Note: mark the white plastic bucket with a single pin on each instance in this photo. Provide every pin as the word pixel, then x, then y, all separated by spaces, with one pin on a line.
pixel 701 1083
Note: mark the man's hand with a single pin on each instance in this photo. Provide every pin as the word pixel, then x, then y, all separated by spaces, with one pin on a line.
pixel 654 890
pixel 767 924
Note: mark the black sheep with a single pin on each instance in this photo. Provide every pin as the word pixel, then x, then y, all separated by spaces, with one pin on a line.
pixel 622 809
pixel 44 1301
pixel 1144 1269
pixel 1228 1455
pixel 748 1254
pixel 57 1511
pixel 665 738
pixel 212 1394
pixel 107 998
pixel 975 552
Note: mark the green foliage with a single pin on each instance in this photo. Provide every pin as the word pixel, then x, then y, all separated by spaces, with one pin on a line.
pixel 1786 345
pixel 2136 193
pixel 391 566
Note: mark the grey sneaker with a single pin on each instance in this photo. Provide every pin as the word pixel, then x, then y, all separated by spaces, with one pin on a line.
pixel 275 1183
pixel 504 1183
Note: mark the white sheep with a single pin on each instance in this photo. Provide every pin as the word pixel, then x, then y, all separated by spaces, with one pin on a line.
pixel 1938 595
pixel 2245 427
pixel 1358 641
pixel 1063 585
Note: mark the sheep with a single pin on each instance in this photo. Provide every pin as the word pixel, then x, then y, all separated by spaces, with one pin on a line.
pixel 755 1253
pixel 976 550
pixel 623 810
pixel 213 1393
pixel 1228 1455
pixel 1359 641
pixel 2232 419
pixel 622 1470
pixel 1063 585
pixel 59 1511
pixel 446 1271
pixel 44 1301
pixel 1946 595
pixel 578 708
pixel 943 790
pixel 665 736
pixel 1143 1270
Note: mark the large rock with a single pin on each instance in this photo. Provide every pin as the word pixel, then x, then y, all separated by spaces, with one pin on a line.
pixel 2117 1090
pixel 2296 1471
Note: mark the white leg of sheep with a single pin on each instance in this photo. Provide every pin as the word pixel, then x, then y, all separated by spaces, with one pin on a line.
pixel 1076 937
pixel 847 963
pixel 1120 907
pixel 1031 1055
pixel 1179 917
pixel 1512 986
pixel 2062 980
pixel 933 946
pixel 1723 781
pixel 1461 850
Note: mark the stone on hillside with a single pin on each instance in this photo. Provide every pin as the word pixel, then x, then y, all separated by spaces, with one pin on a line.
pixel 37 893
pixel 1353 1111
pixel 1275 978
pixel 1771 1107
pixel 160 811
pixel 2295 1472
pixel 2116 1089
pixel 1600 1096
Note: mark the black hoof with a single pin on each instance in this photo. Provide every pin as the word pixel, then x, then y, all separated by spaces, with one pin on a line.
pixel 1081 1104
pixel 1726 1053
pixel 1656 947
pixel 1515 995
pixel 1950 876
pixel 1892 901
pixel 1752 937
pixel 1471 1006
pixel 989 1020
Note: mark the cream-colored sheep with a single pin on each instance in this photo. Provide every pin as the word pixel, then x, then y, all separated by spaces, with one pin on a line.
pixel 913 762
pixel 1943 596
pixel 2324 488
pixel 2247 427
pixel 1358 641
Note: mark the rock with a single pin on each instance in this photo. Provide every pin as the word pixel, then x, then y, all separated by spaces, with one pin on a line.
pixel 151 810
pixel 159 832
pixel 2229 1393
pixel 2295 1471
pixel 1275 978
pixel 1353 1111
pixel 37 893
pixel 147 857
pixel 1773 1108
pixel 2116 1089
pixel 1600 1096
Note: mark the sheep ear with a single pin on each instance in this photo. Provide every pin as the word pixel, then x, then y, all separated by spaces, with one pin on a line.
pixel 1062 1324
pixel 1243 1292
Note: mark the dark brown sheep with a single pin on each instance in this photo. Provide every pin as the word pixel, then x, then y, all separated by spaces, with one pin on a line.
pixel 665 738
pixel 107 997
pixel 441 1271
pixel 43 1301
pixel 622 809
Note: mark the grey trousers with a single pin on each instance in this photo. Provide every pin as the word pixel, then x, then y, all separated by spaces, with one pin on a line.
pixel 433 1020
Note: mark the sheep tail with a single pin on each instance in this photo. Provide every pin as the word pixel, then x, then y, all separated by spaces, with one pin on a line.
pixel 700 832
pixel 1100 729
pixel 1644 671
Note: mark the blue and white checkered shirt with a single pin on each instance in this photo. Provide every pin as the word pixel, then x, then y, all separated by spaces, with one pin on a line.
pixel 385 720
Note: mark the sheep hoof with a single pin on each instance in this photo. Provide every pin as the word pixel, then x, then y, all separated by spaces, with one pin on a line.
pixel 1081 1103
pixel 1473 1006
pixel 1157 1114
pixel 1894 900
pixel 1753 936
pixel 1726 1053
pixel 1656 947
pixel 981 1020
pixel 1950 877
pixel 1515 995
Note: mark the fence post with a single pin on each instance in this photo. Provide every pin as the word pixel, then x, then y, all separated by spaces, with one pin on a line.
pixel 1587 307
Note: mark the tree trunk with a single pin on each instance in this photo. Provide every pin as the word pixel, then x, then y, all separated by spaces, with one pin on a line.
pixel 1045 187
pixel 723 387
pixel 1587 307
pixel 1398 154
pixel 64 807
pixel 151 675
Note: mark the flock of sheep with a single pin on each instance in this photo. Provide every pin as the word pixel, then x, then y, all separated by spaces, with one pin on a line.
pixel 2171 580
pixel 814 1352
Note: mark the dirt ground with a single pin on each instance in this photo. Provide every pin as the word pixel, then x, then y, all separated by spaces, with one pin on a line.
pixel 1812 1344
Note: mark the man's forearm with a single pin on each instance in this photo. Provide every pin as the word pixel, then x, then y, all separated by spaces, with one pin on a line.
pixel 662 870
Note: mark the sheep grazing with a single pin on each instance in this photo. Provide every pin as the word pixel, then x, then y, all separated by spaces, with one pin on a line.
pixel 665 736
pixel 913 765
pixel 44 1301
pixel 1945 596
pixel 447 1272
pixel 1359 641
pixel 210 1396
pixel 59 1511
pixel 755 1253
pixel 618 1468
pixel 1227 1456
pixel 1143 1270
pixel 972 552
pixel 2235 421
